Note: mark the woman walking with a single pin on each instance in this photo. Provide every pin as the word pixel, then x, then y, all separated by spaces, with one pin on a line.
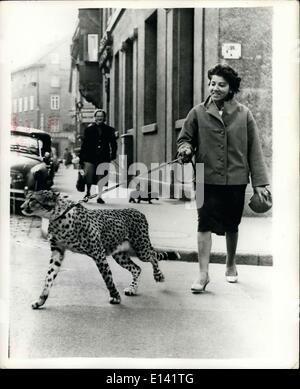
pixel 99 145
pixel 222 134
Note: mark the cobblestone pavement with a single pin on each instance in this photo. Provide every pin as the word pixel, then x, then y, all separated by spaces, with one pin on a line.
pixel 26 231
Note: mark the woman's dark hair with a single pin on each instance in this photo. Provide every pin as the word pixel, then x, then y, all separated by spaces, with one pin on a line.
pixel 229 75
pixel 100 110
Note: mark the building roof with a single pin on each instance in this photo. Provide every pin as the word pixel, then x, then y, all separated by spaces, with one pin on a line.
pixel 26 67
pixel 37 61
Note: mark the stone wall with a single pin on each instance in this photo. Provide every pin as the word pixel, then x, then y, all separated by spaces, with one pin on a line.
pixel 252 28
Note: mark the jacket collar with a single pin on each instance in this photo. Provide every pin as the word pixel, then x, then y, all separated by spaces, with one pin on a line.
pixel 230 107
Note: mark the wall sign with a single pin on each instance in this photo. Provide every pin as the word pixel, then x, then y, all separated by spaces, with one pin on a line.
pixel 92 47
pixel 231 50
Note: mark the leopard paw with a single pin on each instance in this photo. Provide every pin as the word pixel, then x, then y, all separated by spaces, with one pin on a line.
pixel 130 291
pixel 115 300
pixel 159 277
pixel 38 303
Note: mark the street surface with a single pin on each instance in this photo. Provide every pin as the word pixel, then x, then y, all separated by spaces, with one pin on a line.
pixel 228 321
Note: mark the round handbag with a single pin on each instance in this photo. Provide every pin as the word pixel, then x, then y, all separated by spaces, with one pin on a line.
pixel 261 206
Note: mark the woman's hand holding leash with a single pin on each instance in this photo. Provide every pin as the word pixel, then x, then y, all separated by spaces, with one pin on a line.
pixel 184 155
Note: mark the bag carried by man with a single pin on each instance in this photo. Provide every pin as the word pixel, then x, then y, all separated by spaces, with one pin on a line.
pixel 80 184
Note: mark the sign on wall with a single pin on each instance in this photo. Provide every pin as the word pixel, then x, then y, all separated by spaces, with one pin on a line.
pixel 87 116
pixel 231 50
pixel 93 47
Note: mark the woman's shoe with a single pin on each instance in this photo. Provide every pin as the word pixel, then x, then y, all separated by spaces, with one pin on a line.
pixel 231 278
pixel 198 287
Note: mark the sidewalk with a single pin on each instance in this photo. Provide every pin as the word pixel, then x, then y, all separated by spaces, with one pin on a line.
pixel 173 225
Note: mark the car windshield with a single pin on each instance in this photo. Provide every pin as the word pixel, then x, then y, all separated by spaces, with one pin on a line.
pixel 24 144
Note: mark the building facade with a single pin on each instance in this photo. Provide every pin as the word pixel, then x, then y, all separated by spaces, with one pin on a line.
pixel 151 69
pixel 40 96
pixel 85 76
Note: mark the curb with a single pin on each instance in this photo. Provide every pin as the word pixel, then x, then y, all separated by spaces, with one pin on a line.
pixel 241 259
pixel 192 256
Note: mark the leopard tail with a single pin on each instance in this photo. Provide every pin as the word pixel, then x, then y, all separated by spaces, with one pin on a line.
pixel 167 255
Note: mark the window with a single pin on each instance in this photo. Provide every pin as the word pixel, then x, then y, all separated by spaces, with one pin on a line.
pixel 54 102
pixel 25 104
pixel 15 106
pixel 54 58
pixel 184 63
pixel 53 124
pixel 55 81
pixel 150 69
pixel 31 103
pixel 129 86
pixel 20 104
pixel 92 47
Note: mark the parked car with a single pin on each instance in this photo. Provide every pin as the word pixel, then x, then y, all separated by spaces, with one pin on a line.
pixel 31 163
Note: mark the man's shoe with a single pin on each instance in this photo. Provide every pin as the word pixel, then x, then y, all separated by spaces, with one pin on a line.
pixel 86 198
pixel 100 200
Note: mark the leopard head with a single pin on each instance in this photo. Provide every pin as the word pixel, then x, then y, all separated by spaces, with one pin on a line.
pixel 40 203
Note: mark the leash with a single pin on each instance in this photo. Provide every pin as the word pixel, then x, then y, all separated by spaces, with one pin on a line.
pixel 67 210
pixel 86 199
pixel 193 181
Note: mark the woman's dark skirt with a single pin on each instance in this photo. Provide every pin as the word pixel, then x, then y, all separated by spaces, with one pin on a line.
pixel 90 173
pixel 222 208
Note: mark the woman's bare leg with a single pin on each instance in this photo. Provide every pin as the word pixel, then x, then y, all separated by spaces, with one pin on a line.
pixel 231 245
pixel 204 249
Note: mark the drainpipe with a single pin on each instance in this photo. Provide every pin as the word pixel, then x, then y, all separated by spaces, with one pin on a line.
pixel 38 97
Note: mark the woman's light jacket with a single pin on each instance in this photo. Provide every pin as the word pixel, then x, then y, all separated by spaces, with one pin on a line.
pixel 228 145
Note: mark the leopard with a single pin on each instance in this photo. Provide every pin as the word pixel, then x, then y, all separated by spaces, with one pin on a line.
pixel 97 233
